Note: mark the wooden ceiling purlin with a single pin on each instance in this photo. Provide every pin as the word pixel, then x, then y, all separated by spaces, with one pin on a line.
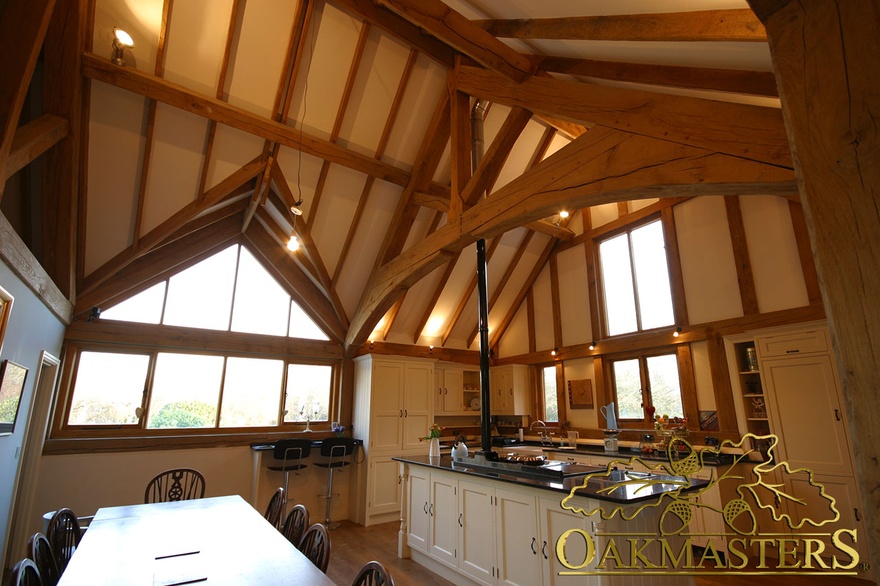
pixel 23 26
pixel 214 195
pixel 752 132
pixel 602 166
pixel 759 83
pixel 160 263
pixel 449 26
pixel 180 97
pixel 698 25
pixel 32 140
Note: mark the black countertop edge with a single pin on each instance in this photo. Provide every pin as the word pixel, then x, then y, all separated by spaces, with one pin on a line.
pixel 563 485
pixel 316 443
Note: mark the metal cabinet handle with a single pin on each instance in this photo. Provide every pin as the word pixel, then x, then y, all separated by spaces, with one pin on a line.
pixel 431 509
pixel 445 391
pixel 425 508
pixel 401 413
pixel 405 413
pixel 459 520
pixel 534 551
pixel 837 414
pixel 856 515
pixel 544 549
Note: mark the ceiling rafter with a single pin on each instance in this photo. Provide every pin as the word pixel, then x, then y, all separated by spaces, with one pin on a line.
pixel 33 139
pixel 508 272
pixel 602 166
pixel 699 25
pixel 751 132
pixel 759 83
pixel 178 219
pixel 458 32
pixel 380 151
pixel 466 296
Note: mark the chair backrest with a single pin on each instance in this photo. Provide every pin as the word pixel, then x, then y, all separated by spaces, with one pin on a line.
pixel 63 534
pixel 40 551
pixel 25 573
pixel 295 524
pixel 292 449
pixel 276 504
pixel 315 545
pixel 179 484
pixel 337 447
pixel 373 574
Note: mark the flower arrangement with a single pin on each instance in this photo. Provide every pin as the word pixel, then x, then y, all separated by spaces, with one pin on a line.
pixel 338 429
pixel 433 432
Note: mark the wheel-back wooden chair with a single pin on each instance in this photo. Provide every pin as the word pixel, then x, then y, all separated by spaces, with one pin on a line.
pixel 40 551
pixel 373 574
pixel 295 524
pixel 179 484
pixel 273 510
pixel 25 573
pixel 315 545
pixel 63 533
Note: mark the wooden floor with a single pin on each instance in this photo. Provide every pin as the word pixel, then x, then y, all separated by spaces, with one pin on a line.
pixel 354 545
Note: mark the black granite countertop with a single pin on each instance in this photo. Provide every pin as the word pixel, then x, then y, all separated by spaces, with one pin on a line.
pixel 631 487
pixel 709 457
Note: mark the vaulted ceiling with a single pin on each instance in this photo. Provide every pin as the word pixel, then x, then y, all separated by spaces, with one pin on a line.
pixel 228 113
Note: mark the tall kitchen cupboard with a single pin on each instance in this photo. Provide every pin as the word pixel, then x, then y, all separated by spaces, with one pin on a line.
pixel 393 408
pixel 799 383
pixel 510 389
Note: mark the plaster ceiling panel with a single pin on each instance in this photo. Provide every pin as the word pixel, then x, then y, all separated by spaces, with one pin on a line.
pixel 375 87
pixel 517 280
pixel 707 263
pixel 450 297
pixel 521 153
pixel 257 63
pixel 417 232
pixel 141 19
pixel 602 214
pixel 339 200
pixel 413 307
pixel 196 43
pixel 365 245
pixel 574 303
pixel 543 307
pixel 301 171
pixel 426 84
pixel 175 164
pixel 116 149
pixel 443 173
pixel 557 143
pixel 516 339
pixel 320 83
pixel 232 150
pixel 773 252
pixel 638 204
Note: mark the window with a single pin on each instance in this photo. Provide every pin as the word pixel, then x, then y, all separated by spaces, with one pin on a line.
pixel 229 291
pixel 635 280
pixel 646 380
pixel 171 390
pixel 551 398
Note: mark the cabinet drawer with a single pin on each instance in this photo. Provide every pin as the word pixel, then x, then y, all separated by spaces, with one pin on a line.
pixel 788 344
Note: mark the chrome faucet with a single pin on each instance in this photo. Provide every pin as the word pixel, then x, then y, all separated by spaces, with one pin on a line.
pixel 545 437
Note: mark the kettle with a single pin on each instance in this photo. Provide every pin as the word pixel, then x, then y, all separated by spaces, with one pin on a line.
pixel 459 449
pixel 610 416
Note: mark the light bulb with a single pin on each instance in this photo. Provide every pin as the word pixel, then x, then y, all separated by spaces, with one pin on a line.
pixel 293 243
pixel 563 214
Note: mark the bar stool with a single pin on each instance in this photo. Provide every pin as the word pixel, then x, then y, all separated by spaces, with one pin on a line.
pixel 291 453
pixel 338 451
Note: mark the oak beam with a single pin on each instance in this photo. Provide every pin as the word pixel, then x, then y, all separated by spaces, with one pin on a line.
pixel 826 56
pixel 23 26
pixel 602 166
pixel 751 132
pixel 745 277
pixel 180 97
pixel 33 139
pixel 461 34
pixel 699 25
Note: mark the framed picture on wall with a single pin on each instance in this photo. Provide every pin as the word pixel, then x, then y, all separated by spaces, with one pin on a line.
pixel 12 377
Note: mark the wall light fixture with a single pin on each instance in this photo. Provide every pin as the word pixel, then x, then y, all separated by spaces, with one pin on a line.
pixel 121 41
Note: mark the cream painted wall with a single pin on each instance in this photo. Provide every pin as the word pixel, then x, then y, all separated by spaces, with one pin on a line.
pixel 579 369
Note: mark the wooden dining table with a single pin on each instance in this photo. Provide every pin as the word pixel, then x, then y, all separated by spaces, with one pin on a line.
pixel 220 540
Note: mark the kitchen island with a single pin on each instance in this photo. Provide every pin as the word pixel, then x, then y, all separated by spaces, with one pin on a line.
pixel 474 523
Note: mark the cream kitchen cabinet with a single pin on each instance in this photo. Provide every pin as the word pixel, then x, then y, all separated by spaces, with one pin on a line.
pixel 510 389
pixel 444 516
pixel 393 407
pixel 455 388
pixel 517 555
pixel 554 521
pixel 418 497
pixel 476 534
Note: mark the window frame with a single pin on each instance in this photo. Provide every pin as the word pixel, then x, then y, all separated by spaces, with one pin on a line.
pixel 685 380
pixel 671 258
pixel 61 429
pixel 560 395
